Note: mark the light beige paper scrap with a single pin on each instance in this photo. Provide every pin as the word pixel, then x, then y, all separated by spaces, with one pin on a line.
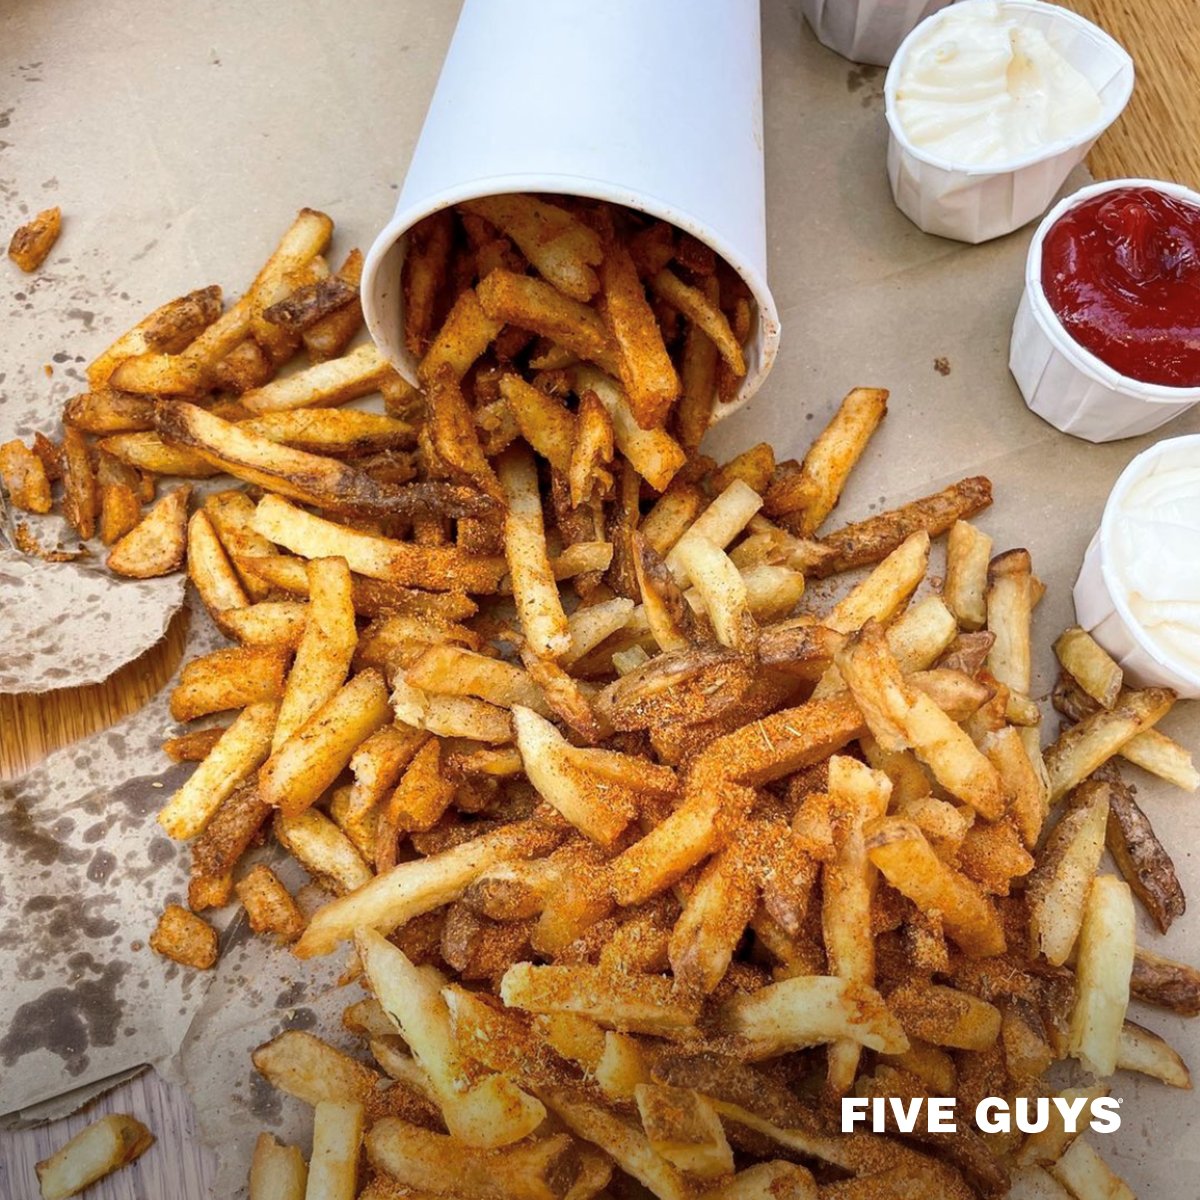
pixel 183 136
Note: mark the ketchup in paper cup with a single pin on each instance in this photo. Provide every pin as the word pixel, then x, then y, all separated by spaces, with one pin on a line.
pixel 630 123
pixel 1123 269
pixel 866 31
pixel 1138 591
pixel 1031 71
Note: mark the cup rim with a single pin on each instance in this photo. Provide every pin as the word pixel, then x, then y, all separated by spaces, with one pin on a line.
pixel 1094 367
pixel 1053 149
pixel 767 324
pixel 1134 471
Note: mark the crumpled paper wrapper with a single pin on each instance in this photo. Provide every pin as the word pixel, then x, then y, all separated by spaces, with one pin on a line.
pixel 866 299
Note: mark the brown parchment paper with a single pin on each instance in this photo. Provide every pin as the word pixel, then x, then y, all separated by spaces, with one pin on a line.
pixel 180 138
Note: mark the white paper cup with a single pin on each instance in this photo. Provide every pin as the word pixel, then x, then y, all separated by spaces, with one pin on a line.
pixel 977 203
pixel 866 31
pixel 1101 605
pixel 654 106
pixel 1066 384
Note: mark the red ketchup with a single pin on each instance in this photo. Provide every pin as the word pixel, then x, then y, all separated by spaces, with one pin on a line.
pixel 1122 271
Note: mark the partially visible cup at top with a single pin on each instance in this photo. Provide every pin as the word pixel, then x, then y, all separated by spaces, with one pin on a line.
pixel 1061 379
pixel 657 107
pixel 1138 592
pixel 866 31
pixel 990 104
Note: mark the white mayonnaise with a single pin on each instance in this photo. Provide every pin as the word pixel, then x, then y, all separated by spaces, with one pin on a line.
pixel 979 88
pixel 1156 556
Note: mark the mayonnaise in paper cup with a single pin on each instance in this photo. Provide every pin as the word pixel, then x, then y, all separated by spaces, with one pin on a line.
pixel 654 106
pixel 1102 604
pixel 1064 383
pixel 977 203
pixel 866 31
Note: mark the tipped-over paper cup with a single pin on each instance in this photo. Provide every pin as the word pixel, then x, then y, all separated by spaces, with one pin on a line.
pixel 1101 601
pixel 654 106
pixel 866 31
pixel 977 203
pixel 1068 385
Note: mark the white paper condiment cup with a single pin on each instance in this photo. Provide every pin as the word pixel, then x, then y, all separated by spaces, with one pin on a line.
pixel 866 31
pixel 1063 382
pixel 977 203
pixel 655 106
pixel 1101 603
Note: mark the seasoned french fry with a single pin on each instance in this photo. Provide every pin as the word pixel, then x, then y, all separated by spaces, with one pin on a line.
pixel 330 336
pixel 968 552
pixel 269 905
pixel 24 477
pixel 1088 745
pixel 228 679
pixel 429 245
pixel 873 539
pixel 1145 1052
pixel 33 241
pixel 103 1147
pixel 1089 665
pixel 438 568
pixel 685 1129
pixel 318 750
pixel 185 938
pixel 811 494
pixel 1085 1174
pixel 337 1138
pixel 697 307
pixel 534 589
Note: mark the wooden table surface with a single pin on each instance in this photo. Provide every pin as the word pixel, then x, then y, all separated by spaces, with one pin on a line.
pixel 1156 138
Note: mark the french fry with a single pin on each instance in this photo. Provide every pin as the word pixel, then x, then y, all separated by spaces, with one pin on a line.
pixel 901 717
pixel 169 328
pixel 1010 602
pixel 209 567
pixel 325 650
pixel 1089 665
pixel 944 1016
pixel 224 840
pixel 545 423
pixel 811 494
pixel 433 1164
pixel 562 249
pixel 1085 1174
pixel 587 472
pixel 184 938
pixel 465 335
pixel 684 1128
pixel 228 679
pixel 535 591
pixel 1143 1051
pixel 238 753
pixel 269 905
pixel 274 623
pixel 411 889
pixel 621 1141
pixel 721 589
pixel 696 306
pixel 337 431
pixel 103 1147
pixel 810 1011
pixel 1141 857
pixel 32 242
pixel 1104 964
pixel 719 523
pixel 24 477
pixel 301 768
pixel 537 306
pixel 905 858
pixel 646 371
pixel 310 303
pixel 156 545
pixel 277 1172
pixel 425 263
pixel 698 377
pixel 330 336
pixel 968 552
pixel 873 539
pixel 438 568
pixel 1082 748
pixel 653 453
pixel 642 1003
pixel 488 1113
pixel 337 1138
pixel 334 381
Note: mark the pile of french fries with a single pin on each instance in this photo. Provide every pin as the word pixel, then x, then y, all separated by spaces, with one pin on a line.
pixel 644 858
